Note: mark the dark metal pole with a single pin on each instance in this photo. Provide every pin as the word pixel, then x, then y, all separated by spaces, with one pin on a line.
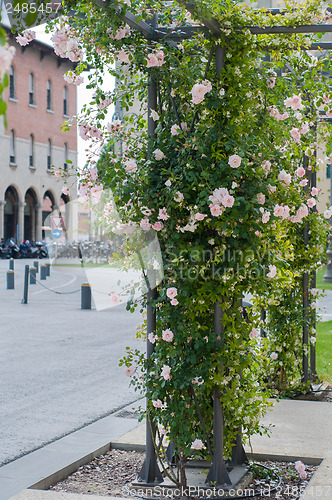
pixel 43 272
pixel 239 456
pixel 26 285
pixel 218 474
pixel 33 272
pixel 150 473
pixel 85 296
pixel 11 264
pixel 305 294
pixel 10 280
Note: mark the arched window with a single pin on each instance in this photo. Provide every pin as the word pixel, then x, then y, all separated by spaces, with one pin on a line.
pixel 12 156
pixel 12 89
pixel 31 89
pixel 49 154
pixel 31 151
pixel 49 95
pixel 65 156
pixel 65 101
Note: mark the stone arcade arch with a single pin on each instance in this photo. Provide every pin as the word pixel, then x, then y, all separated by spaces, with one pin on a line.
pixel 11 214
pixel 30 215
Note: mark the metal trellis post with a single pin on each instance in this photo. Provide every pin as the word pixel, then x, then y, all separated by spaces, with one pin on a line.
pixel 150 472
pixel 218 474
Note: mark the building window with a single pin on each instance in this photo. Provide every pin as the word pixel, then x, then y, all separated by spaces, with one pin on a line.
pixel 65 101
pixel 31 151
pixel 65 158
pixel 12 155
pixel 49 95
pixel 12 89
pixel 31 90
pixel 49 154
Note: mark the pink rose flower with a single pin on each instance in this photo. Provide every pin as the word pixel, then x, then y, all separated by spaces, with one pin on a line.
pixel 294 102
pixel 166 372
pixel 327 214
pixel 129 370
pixel 215 210
pixel 273 356
pixel 228 201
pixel 122 56
pixel 200 216
pixel 278 211
pixel 311 202
pixel 253 334
pixel 271 189
pixel 261 198
pixel 314 191
pixel 167 335
pixel 234 161
pixel 157 226
pixel 305 128
pixel 159 155
pixel 199 90
pixel 130 166
pixel 157 403
pixel 296 134
pixel 272 271
pixel 304 182
pixel 171 292
pixel 145 224
pixel 152 338
pixel 265 217
pixel 302 211
pixel 174 302
pixel 175 130
pixel 163 215
pixel 26 37
pixel 285 177
pixel 179 197
pixel 156 59
pixel 197 444
pixel 300 172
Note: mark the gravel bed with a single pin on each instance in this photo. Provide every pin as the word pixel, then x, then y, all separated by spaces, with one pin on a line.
pixel 110 475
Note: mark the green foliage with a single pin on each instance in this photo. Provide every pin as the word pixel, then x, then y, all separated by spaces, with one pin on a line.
pixel 223 229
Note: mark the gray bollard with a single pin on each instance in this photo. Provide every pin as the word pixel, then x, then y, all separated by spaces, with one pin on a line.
pixel 43 272
pixel 36 265
pixel 85 296
pixel 48 267
pixel 26 285
pixel 33 272
pixel 10 280
pixel 11 264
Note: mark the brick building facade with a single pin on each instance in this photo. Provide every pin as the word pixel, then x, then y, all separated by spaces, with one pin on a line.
pixel 39 102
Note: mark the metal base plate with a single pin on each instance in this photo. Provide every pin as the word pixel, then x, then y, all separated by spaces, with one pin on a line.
pixel 196 477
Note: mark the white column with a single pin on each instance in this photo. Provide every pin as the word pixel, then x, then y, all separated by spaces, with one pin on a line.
pixel 20 222
pixel 2 204
pixel 39 210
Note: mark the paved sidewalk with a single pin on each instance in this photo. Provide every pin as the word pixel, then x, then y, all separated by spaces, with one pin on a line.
pixel 301 431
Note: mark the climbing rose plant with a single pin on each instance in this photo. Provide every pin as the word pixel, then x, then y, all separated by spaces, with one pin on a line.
pixel 226 182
